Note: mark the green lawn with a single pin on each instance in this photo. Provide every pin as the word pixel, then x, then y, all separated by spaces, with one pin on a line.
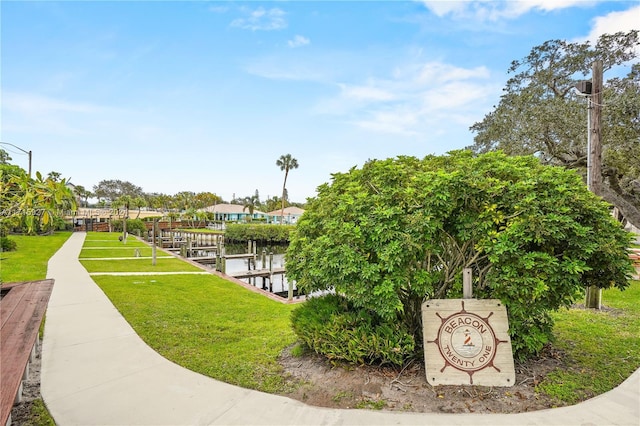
pixel 125 251
pixel 202 322
pixel 107 248
pixel 206 324
pixel 29 261
pixel 139 265
pixel 111 240
pixel 603 346
pixel 224 331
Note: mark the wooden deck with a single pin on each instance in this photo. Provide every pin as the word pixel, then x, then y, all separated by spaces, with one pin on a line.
pixel 205 260
pixel 213 259
pixel 240 256
pixel 257 273
pixel 21 311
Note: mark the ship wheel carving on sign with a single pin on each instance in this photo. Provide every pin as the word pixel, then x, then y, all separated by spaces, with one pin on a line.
pixel 467 342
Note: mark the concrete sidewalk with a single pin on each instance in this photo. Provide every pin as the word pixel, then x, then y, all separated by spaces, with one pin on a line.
pixel 97 371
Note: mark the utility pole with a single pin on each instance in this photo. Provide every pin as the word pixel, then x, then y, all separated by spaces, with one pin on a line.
pixel 29 153
pixel 593 297
pixel 595 114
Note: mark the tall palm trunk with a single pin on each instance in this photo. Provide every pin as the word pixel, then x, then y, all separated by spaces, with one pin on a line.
pixel 284 190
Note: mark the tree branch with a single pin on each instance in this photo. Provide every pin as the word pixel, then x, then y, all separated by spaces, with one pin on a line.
pixel 629 211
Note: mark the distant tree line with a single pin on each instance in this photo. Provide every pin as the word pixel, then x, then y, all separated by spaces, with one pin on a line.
pixel 123 194
pixel 117 193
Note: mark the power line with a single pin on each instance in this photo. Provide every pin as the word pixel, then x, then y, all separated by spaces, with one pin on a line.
pixel 23 150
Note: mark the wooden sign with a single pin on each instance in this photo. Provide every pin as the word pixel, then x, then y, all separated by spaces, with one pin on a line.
pixel 466 342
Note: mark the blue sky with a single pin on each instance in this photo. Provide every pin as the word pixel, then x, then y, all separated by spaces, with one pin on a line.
pixel 206 96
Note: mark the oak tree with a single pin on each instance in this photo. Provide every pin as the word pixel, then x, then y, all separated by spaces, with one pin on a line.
pixel 540 113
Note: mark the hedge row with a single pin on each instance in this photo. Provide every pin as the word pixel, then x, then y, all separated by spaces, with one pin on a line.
pixel 134 226
pixel 258 232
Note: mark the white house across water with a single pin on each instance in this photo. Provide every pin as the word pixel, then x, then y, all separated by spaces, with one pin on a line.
pixel 239 213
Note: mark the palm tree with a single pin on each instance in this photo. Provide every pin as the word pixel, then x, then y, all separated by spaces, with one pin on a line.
pixel 138 203
pixel 189 215
pixel 250 203
pixel 83 194
pixel 125 202
pixel 286 163
pixel 272 203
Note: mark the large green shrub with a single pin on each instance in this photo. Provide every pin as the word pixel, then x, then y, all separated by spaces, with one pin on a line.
pixel 399 231
pixel 134 226
pixel 7 244
pixel 258 232
pixel 332 326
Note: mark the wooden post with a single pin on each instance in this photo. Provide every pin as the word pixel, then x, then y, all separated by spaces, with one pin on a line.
pixel 467 286
pixel 593 297
pixel 218 254
pixel 255 255
pixel 271 271
pixel 153 245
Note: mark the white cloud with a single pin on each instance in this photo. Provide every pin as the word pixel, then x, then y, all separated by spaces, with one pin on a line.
pixel 451 97
pixel 612 23
pixel 615 21
pixel 513 9
pixel 442 8
pixel 36 104
pixel 298 41
pixel 218 9
pixel 272 68
pixel 400 121
pixel 365 93
pixel 413 98
pixel 25 112
pixel 435 73
pixel 28 112
pixel 492 10
pixel 261 19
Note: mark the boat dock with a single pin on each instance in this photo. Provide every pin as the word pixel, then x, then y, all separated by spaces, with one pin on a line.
pixel 264 273
pixel 209 249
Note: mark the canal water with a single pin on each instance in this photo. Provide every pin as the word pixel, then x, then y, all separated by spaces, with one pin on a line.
pixel 280 285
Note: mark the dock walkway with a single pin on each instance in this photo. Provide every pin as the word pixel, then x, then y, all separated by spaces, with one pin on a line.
pixel 257 273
